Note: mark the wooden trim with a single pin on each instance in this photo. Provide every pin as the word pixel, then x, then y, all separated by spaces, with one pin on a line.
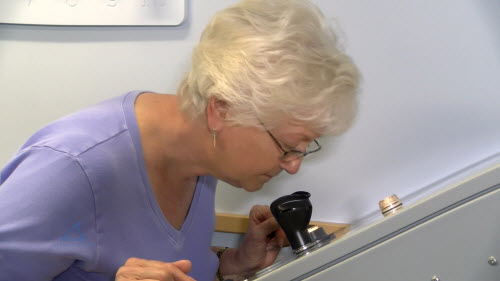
pixel 231 223
pixel 238 224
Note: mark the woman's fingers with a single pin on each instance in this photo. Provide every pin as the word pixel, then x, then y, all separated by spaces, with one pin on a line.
pixel 183 265
pixel 260 213
pixel 145 270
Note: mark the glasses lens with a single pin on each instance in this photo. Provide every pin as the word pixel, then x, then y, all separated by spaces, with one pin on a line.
pixel 292 155
pixel 312 147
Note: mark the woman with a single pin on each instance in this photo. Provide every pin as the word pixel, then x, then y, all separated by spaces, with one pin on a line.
pixel 124 190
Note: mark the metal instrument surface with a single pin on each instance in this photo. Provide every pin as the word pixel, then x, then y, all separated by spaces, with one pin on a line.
pixel 450 235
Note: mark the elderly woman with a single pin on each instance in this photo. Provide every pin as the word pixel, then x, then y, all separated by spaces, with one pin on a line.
pixel 124 190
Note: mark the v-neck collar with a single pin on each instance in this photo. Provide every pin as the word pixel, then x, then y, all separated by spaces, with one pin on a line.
pixel 175 236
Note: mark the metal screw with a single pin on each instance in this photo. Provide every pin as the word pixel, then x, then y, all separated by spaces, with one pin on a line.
pixel 492 260
pixel 435 278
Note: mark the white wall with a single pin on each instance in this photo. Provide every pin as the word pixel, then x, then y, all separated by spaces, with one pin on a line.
pixel 428 108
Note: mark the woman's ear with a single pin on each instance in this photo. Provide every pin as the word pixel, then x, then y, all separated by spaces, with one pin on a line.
pixel 216 113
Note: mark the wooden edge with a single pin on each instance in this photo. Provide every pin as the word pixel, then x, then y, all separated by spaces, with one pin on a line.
pixel 231 223
pixel 238 224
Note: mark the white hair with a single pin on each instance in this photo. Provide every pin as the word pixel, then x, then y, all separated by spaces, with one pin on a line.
pixel 277 60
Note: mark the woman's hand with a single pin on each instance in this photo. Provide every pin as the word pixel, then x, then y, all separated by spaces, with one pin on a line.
pixel 259 248
pixel 139 269
pixel 263 240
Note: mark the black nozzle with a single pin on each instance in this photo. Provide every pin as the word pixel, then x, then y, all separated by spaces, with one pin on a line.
pixel 293 213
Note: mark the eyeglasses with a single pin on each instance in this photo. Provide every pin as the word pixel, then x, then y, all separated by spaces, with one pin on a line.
pixel 294 154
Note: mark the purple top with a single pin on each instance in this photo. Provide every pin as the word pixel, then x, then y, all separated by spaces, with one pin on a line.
pixel 76 203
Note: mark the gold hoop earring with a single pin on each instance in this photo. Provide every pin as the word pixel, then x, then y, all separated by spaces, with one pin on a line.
pixel 214 134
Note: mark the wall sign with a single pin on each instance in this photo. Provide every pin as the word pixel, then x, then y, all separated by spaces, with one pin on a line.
pixel 92 12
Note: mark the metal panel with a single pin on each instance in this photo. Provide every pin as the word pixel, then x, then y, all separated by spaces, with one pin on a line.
pixel 453 246
pixel 361 240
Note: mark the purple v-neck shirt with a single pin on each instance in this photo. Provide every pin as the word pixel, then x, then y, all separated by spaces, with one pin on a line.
pixel 76 203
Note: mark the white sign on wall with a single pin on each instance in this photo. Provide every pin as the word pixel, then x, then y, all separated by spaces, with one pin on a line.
pixel 92 12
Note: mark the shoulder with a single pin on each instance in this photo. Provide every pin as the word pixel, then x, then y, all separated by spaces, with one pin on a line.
pixel 43 194
pixel 44 169
pixel 78 132
pixel 45 183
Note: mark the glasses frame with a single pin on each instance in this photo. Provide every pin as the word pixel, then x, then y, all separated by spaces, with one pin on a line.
pixel 300 154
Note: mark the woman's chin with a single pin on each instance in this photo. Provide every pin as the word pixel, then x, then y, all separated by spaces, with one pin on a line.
pixel 256 185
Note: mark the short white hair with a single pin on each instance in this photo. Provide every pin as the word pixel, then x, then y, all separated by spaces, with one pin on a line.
pixel 276 60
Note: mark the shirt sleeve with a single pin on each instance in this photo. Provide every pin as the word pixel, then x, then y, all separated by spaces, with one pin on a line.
pixel 47 216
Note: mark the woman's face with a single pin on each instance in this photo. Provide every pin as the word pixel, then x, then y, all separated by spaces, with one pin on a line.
pixel 249 157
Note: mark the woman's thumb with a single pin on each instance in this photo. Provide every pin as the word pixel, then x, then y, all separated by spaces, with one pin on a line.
pixel 183 265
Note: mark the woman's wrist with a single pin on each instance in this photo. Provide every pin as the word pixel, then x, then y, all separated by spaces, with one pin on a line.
pixel 219 275
pixel 233 266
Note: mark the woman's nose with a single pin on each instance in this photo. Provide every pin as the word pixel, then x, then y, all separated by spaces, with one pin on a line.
pixel 291 166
